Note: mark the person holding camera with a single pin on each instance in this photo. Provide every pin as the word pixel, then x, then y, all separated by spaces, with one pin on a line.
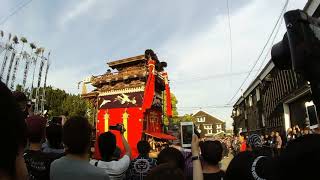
pixel 116 169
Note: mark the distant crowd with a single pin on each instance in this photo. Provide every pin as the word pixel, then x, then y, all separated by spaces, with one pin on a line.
pixel 36 149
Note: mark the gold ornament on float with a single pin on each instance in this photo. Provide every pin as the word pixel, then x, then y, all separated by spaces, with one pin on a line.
pixel 125 117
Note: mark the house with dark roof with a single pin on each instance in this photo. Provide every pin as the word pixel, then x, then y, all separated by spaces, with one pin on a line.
pixel 208 125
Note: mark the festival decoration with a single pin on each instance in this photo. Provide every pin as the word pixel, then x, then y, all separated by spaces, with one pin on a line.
pixel 21 55
pixel 132 97
pixel 10 67
pixel 150 86
pixel 168 95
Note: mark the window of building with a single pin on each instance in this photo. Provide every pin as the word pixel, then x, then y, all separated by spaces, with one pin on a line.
pixel 207 126
pixel 201 119
pixel 218 128
pixel 238 111
pixel 258 94
pixel 209 132
pixel 250 101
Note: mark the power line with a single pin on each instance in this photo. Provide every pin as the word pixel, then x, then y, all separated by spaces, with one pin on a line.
pixel 230 40
pixel 18 8
pixel 205 107
pixel 263 49
pixel 210 77
pixel 274 38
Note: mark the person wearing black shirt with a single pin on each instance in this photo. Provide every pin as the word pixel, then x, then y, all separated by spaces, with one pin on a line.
pixel 143 164
pixel 38 163
pixel 211 152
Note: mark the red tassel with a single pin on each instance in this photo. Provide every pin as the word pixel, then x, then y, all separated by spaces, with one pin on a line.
pixel 169 105
pixel 150 86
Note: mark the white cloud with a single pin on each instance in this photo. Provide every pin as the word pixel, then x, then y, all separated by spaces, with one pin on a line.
pixel 83 7
pixel 207 53
pixel 67 77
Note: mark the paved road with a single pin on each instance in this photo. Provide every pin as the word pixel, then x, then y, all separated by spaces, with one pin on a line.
pixel 225 162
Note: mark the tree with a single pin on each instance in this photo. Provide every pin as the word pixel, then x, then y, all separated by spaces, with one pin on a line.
pixel 175 113
pixel 188 117
pixel 54 101
pixel 58 102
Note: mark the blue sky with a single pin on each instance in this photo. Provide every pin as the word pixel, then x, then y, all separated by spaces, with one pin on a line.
pixel 192 36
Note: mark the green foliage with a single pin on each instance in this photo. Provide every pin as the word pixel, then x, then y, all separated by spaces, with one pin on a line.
pixel 58 102
pixel 188 117
pixel 54 101
pixel 174 103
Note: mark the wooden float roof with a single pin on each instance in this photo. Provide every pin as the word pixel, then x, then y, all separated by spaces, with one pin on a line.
pixel 126 61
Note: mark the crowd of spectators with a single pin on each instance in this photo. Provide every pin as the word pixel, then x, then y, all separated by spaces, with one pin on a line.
pixel 35 149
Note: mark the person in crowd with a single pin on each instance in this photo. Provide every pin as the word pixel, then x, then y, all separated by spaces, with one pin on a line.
pixel 195 149
pixel 211 153
pixel 22 101
pixel 13 136
pixel 116 154
pixel 172 156
pixel 306 131
pixel 289 134
pixel 116 169
pixel 273 143
pixel 278 144
pixel 235 145
pixel 262 139
pixel 166 171
pixel 294 134
pixel 187 155
pixel 225 149
pixel 250 166
pixel 273 139
pixel 255 144
pixel 38 162
pixel 243 142
pixel 299 159
pixel 296 127
pixel 142 165
pixel 53 142
pixel 76 136
pixel 267 140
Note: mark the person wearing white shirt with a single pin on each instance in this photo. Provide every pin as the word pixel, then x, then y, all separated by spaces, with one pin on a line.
pixel 116 169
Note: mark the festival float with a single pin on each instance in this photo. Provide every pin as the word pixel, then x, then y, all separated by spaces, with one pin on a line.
pixel 132 94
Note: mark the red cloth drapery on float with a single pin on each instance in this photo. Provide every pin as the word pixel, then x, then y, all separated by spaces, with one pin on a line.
pixel 168 94
pixel 150 86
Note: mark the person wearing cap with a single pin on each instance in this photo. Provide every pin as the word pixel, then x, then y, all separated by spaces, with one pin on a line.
pixel 255 144
pixel 38 162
